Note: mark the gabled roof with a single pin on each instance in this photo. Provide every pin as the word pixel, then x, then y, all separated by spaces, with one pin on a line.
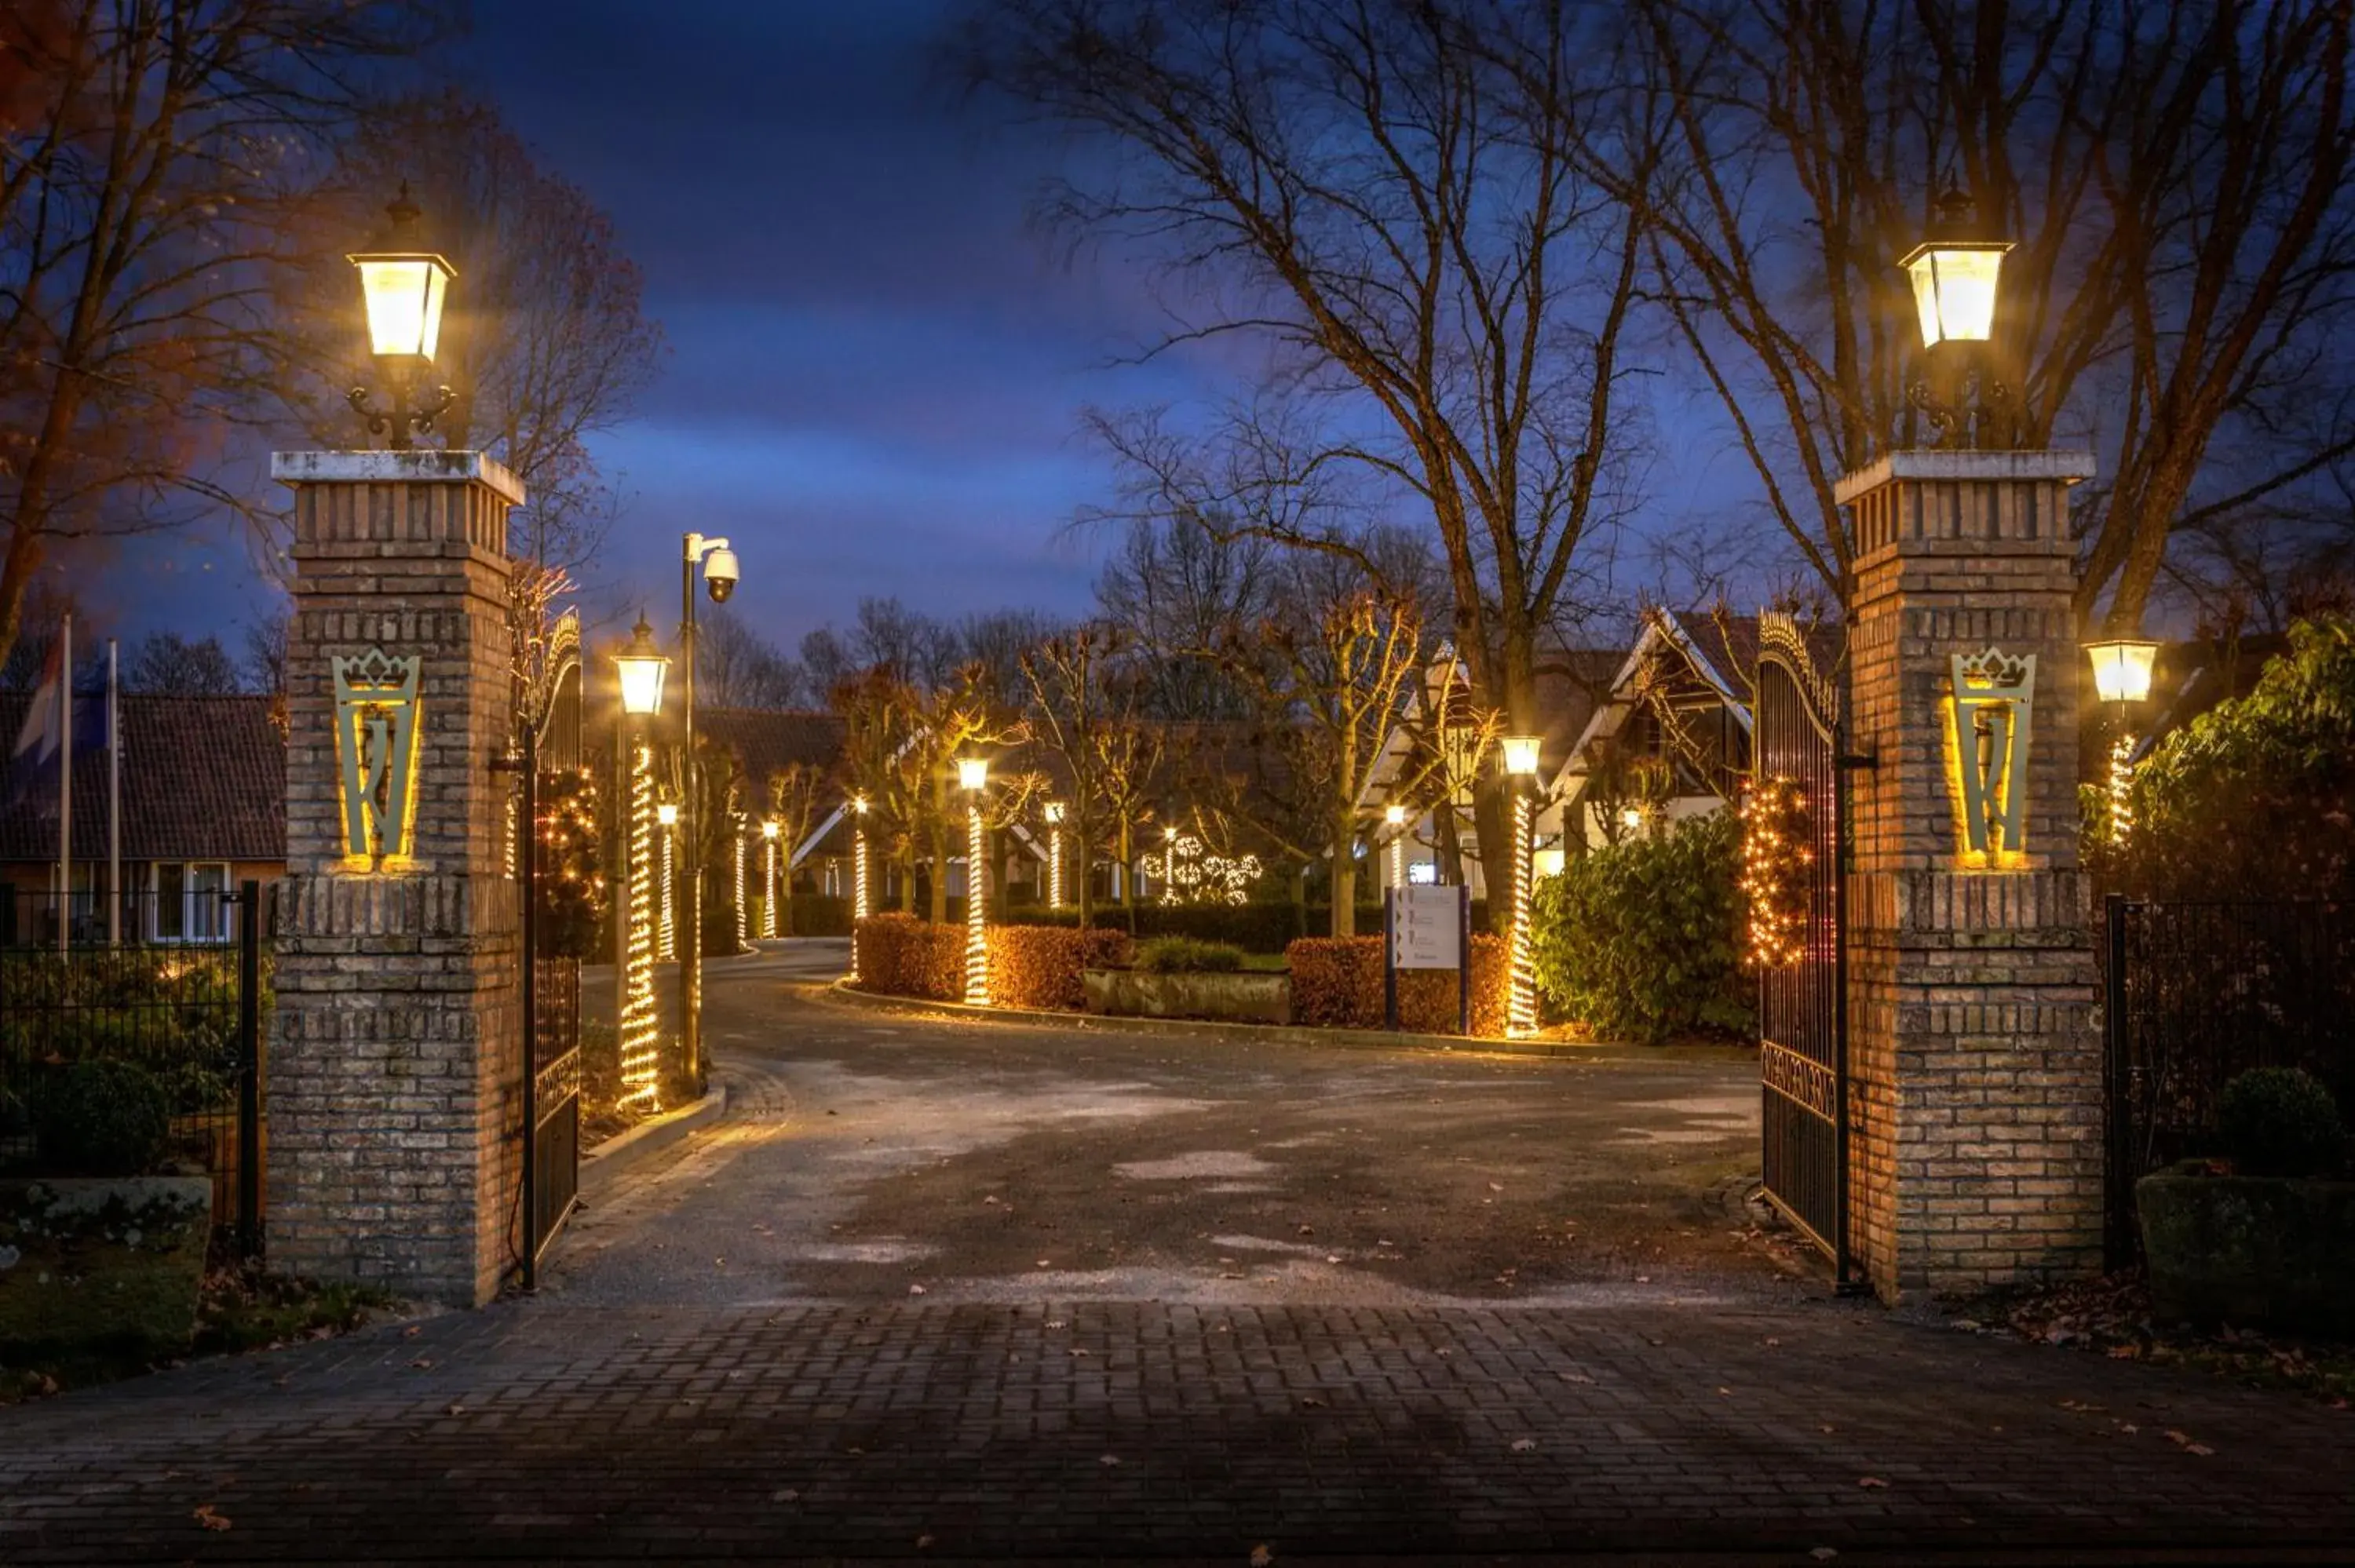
pixel 203 779
pixel 766 742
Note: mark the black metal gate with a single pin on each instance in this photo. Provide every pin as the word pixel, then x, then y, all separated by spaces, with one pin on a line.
pixel 1803 1004
pixel 2196 994
pixel 551 977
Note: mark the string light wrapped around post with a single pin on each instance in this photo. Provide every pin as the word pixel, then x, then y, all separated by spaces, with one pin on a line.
pixel 973 775
pixel 858 904
pixel 1521 996
pixel 743 914
pixel 2122 672
pixel 641 1048
pixel 666 820
pixel 769 880
pixel 1395 817
pixel 1054 812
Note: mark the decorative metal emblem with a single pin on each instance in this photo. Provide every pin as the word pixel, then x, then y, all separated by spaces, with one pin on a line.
pixel 1995 698
pixel 376 742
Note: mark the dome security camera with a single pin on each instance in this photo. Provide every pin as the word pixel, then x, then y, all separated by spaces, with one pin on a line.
pixel 720 575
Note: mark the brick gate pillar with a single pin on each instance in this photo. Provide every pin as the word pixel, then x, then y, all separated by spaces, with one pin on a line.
pixel 1974 1069
pixel 396 1046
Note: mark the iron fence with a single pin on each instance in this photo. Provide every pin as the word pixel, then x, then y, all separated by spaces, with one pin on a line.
pixel 178 990
pixel 2198 992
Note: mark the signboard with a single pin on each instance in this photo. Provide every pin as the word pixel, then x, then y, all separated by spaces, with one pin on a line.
pixel 1427 928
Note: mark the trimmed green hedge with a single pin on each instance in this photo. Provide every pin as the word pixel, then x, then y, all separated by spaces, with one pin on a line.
pixel 1637 939
pixel 1254 928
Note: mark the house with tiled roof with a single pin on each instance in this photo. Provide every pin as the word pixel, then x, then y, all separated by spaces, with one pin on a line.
pixel 203 809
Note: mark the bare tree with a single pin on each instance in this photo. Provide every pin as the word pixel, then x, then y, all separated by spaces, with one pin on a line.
pixel 735 667
pixel 2175 176
pixel 166 665
pixel 1078 704
pixel 155 156
pixel 1179 591
pixel 1399 201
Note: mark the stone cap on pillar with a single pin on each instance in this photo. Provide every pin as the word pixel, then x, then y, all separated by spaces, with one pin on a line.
pixel 426 467
pixel 1942 467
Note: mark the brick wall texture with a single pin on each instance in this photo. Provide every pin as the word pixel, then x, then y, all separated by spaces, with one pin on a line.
pixel 1974 1067
pixel 395 1050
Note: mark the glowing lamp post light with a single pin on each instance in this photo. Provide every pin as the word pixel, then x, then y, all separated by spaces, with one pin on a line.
pixel 1955 273
pixel 1394 817
pixel 2122 667
pixel 403 288
pixel 641 667
pixel 1054 813
pixel 972 776
pixel 719 576
pixel 857 876
pixel 1522 997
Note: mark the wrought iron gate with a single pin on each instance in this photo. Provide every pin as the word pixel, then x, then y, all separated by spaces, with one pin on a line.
pixel 1803 1004
pixel 551 977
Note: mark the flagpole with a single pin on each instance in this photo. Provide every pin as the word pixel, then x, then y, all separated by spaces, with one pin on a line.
pixel 113 805
pixel 65 785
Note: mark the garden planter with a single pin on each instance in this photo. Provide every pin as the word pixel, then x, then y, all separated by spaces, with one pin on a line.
pixel 1246 997
pixel 2255 1251
pixel 93 1264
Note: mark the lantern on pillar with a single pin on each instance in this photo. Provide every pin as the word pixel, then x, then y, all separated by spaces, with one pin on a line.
pixel 402 286
pixel 1955 273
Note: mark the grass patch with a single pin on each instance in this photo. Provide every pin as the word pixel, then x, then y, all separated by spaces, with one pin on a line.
pixel 1265 964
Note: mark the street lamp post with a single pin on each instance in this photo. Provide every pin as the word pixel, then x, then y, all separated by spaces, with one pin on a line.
pixel 642 667
pixel 2122 667
pixel 1054 813
pixel 1521 994
pixel 859 906
pixel 404 286
pixel 973 775
pixel 719 563
pixel 1394 817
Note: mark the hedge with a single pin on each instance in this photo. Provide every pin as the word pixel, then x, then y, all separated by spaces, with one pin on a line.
pixel 1038 966
pixel 1336 983
pixel 899 955
pixel 1029 965
pixel 1637 939
pixel 1254 928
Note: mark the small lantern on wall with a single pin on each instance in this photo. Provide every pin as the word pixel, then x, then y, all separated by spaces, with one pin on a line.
pixel 404 287
pixel 2122 667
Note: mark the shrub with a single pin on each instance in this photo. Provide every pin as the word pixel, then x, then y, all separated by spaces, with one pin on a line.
pixel 898 955
pixel 1038 966
pixel 1336 983
pixel 720 928
pixel 102 1118
pixel 2280 1121
pixel 820 915
pixel 1186 955
pixel 1254 928
pixel 2250 799
pixel 1637 939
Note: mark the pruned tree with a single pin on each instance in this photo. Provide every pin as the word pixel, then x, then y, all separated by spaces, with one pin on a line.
pixel 1176 589
pixel 156 158
pixel 883 765
pixel 2175 176
pixel 1400 203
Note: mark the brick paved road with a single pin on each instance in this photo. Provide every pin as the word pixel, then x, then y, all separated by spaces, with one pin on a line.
pixel 784 1404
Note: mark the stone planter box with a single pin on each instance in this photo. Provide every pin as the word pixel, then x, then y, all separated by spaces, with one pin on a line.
pixel 1242 996
pixel 2254 1251
pixel 102 1264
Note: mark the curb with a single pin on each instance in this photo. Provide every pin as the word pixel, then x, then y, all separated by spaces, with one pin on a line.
pixel 604 1164
pixel 1283 1034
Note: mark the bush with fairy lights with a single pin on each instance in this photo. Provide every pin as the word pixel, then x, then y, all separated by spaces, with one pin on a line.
pixel 1778 836
pixel 572 879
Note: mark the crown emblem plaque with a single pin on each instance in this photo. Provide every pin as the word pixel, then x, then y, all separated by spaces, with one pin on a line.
pixel 1994 700
pixel 376 745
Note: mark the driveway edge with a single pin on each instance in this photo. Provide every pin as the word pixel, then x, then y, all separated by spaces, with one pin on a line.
pixel 1286 1034
pixel 606 1163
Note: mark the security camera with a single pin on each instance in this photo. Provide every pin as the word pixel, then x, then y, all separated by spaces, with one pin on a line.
pixel 720 575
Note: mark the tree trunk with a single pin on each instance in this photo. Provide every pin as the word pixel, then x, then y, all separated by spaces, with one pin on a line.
pixel 1344 884
pixel 1080 861
pixel 940 839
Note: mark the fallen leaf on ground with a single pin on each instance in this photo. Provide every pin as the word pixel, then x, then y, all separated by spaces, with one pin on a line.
pixel 1108 1461
pixel 208 1519
pixel 921 1541
pixel 456 1410
pixel 410 1332
pixel 788 1494
pixel 1525 1444
pixel 1873 1481
pixel 1054 1322
pixel 915 1290
pixel 423 1364
pixel 1823 1554
pixel 1261 1557
pixel 1576 1377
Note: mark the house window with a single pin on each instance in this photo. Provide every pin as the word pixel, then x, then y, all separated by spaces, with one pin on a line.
pixel 191 901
